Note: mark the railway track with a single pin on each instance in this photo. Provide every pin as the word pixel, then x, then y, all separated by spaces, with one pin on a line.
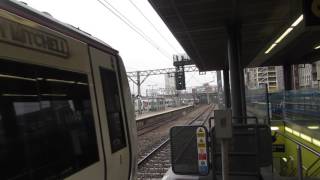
pixel 152 127
pixel 149 138
pixel 156 163
pixel 152 136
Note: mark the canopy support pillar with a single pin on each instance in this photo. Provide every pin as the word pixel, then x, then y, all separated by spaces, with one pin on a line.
pixel 236 72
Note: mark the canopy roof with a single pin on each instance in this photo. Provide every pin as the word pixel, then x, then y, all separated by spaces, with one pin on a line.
pixel 200 27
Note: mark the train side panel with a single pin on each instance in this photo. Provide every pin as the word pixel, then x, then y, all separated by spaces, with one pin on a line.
pixel 35 56
pixel 131 122
pixel 33 43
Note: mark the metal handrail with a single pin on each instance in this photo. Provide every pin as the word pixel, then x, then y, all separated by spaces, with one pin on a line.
pixel 315 172
pixel 299 156
pixel 311 166
pixel 315 152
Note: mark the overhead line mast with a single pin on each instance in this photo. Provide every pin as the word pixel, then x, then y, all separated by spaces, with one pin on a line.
pixel 135 77
pixel 190 68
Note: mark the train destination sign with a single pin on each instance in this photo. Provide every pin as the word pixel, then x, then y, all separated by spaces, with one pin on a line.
pixel 27 37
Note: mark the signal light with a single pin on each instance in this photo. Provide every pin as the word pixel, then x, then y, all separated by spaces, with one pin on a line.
pixel 180 80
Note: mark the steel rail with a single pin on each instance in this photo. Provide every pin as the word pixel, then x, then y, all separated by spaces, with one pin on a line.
pixel 149 155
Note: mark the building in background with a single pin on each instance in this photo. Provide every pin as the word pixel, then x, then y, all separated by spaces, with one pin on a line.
pixel 303 76
pixel 306 75
pixel 250 75
pixel 258 77
pixel 169 84
pixel 316 74
pixel 206 93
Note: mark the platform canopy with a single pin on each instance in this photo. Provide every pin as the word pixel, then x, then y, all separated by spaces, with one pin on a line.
pixel 200 27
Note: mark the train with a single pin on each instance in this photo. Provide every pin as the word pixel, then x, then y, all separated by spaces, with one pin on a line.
pixel 65 105
pixel 153 104
pixel 161 103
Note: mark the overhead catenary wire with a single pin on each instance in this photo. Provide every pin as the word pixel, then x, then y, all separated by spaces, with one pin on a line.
pixel 154 27
pixel 125 20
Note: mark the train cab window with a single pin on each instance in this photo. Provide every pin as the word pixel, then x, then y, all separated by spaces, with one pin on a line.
pixel 113 109
pixel 46 122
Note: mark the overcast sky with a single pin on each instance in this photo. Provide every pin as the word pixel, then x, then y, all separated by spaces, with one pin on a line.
pixel 137 53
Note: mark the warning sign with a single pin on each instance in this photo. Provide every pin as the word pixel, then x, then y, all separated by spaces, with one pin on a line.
pixel 202 151
pixel 202 156
pixel 201 132
pixel 203 170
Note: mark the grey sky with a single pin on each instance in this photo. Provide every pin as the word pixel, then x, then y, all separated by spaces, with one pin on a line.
pixel 137 54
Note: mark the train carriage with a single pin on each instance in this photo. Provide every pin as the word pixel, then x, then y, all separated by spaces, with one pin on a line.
pixel 65 105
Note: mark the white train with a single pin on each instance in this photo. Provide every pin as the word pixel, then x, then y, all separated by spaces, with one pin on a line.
pixel 65 105
pixel 145 106
pixel 150 104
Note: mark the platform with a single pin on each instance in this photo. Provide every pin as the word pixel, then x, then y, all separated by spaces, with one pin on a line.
pixel 265 172
pixel 156 113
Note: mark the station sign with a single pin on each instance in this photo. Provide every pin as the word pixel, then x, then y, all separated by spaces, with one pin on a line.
pixel 311 12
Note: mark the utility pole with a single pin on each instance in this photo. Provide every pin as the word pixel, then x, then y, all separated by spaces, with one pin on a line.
pixel 219 83
pixel 138 82
pixel 139 92
pixel 226 86
pixel 208 98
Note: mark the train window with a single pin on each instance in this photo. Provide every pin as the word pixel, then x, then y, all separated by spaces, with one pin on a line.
pixel 46 122
pixel 113 109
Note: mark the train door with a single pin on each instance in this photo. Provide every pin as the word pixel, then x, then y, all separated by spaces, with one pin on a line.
pixel 112 115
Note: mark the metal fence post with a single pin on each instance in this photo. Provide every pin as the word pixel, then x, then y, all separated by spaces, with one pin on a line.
pixel 299 163
pixel 225 159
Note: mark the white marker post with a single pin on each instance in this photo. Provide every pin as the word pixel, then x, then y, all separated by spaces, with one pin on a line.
pixel 223 131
